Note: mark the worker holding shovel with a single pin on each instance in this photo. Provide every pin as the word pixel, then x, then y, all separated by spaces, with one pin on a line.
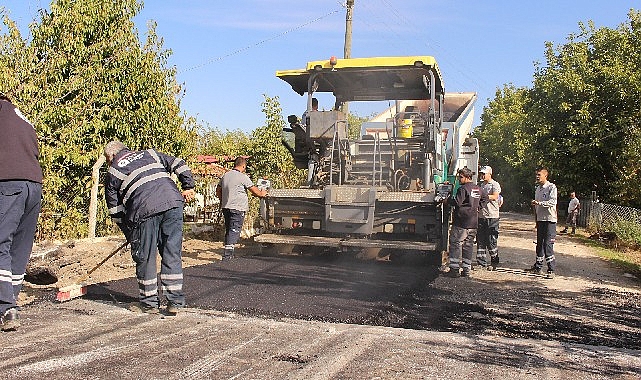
pixel 148 207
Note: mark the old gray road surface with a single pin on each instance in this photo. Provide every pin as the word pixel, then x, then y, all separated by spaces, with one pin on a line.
pixel 269 319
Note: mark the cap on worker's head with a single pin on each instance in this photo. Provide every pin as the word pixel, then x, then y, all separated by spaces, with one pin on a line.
pixel 486 169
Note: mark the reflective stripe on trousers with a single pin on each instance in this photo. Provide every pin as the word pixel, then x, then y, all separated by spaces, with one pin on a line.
pixel 545 238
pixel 162 233
pixel 233 225
pixel 19 209
pixel 461 250
pixel 487 240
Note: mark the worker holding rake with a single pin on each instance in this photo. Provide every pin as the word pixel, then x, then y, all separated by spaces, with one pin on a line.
pixel 146 204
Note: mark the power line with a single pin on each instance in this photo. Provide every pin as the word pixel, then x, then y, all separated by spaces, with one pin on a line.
pixel 378 21
pixel 465 72
pixel 235 52
pixel 433 45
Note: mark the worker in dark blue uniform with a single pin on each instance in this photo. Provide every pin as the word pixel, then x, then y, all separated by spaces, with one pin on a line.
pixel 20 194
pixel 148 207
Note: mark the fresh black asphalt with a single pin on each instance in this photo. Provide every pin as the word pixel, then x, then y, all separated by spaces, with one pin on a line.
pixel 316 287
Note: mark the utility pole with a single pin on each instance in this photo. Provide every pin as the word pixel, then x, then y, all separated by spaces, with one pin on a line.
pixel 347 52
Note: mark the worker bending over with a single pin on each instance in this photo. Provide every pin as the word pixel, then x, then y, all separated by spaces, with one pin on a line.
pixel 146 204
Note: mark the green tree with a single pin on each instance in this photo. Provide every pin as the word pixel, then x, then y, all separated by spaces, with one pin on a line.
pixel 585 111
pixel 13 60
pixel 85 78
pixel 214 142
pixel 504 144
pixel 355 123
pixel 269 157
pixel 580 118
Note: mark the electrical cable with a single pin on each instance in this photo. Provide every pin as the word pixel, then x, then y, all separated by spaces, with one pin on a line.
pixel 220 58
pixel 403 20
pixel 436 46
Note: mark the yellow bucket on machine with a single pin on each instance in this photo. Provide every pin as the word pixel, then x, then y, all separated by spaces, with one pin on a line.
pixel 405 129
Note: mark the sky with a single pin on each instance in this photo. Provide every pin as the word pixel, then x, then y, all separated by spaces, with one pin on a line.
pixel 227 52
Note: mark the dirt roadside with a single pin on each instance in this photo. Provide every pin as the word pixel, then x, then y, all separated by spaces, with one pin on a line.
pixel 75 258
pixel 585 324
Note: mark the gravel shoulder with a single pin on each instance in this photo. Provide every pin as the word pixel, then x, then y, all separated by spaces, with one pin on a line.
pixel 590 301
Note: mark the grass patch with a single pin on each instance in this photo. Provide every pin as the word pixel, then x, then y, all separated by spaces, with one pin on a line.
pixel 624 257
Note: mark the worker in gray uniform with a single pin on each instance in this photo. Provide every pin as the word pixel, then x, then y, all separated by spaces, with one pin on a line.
pixel 487 234
pixel 144 201
pixel 20 194
pixel 544 203
pixel 232 192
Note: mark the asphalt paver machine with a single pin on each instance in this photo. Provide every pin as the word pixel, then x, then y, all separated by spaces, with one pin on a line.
pixel 382 189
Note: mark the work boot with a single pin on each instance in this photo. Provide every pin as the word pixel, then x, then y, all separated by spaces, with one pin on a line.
pixel 564 231
pixel 453 273
pixel 10 320
pixel 534 270
pixel 494 264
pixel 173 309
pixel 550 275
pixel 139 307
pixel 465 273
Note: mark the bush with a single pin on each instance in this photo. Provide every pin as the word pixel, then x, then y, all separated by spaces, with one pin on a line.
pixel 628 232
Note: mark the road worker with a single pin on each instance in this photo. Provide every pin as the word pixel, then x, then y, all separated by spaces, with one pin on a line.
pixel 146 204
pixel 488 232
pixel 232 192
pixel 544 203
pixel 20 194
pixel 574 206
pixel 467 202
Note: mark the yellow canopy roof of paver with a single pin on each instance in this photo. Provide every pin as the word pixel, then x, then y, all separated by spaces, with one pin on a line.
pixel 378 78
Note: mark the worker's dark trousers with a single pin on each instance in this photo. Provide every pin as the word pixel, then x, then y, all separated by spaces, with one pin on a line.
pixel 19 209
pixel 162 232
pixel 545 237
pixel 233 225
pixel 570 221
pixel 461 248
pixel 487 238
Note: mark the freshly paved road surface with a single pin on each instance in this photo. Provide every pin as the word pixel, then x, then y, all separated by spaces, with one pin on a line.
pixel 333 317
pixel 324 288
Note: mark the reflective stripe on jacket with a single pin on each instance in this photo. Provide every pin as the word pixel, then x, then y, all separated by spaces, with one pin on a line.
pixel 139 184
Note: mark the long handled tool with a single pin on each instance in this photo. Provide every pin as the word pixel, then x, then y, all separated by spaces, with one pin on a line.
pixel 78 289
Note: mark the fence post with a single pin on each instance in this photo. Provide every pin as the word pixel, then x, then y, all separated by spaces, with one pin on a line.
pixel 93 202
pixel 585 212
pixel 596 215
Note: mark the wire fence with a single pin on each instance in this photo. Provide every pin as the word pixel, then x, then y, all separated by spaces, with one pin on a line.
pixel 598 216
